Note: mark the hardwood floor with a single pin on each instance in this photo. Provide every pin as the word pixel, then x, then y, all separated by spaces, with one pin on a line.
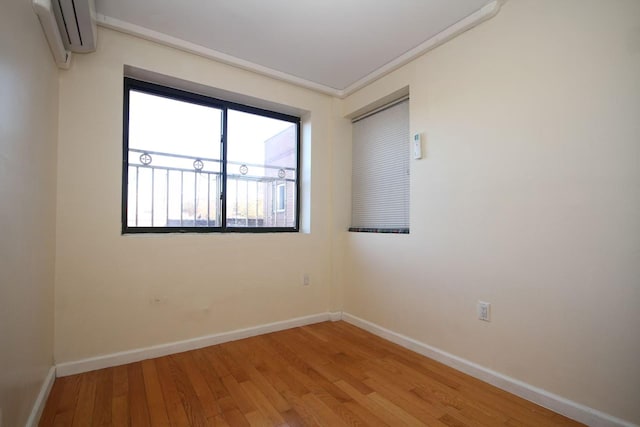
pixel 327 374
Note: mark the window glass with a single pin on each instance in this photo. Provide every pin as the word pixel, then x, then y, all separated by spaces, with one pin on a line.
pixel 261 168
pixel 174 162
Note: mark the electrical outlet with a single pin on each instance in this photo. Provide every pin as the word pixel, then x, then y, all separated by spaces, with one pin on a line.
pixel 305 280
pixel 484 311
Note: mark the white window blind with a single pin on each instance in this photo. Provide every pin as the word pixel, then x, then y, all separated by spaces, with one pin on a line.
pixel 380 177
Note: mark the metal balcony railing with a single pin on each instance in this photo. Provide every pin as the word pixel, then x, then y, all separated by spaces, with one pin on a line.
pixel 173 190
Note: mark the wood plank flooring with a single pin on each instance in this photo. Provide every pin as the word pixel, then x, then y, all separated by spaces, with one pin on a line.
pixel 327 374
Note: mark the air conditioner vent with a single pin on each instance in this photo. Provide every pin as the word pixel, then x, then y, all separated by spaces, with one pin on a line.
pixel 76 21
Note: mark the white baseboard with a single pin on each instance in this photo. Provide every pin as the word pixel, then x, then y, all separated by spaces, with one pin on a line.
pixel 41 400
pixel 566 407
pixel 130 356
pixel 335 316
pixel 573 410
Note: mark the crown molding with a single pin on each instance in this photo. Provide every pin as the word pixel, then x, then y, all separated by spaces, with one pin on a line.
pixel 483 14
pixel 196 49
pixel 487 12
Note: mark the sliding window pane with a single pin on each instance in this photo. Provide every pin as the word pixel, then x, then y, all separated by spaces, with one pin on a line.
pixel 174 157
pixel 262 155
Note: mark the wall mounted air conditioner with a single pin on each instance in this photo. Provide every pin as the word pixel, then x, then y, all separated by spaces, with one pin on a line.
pixel 70 26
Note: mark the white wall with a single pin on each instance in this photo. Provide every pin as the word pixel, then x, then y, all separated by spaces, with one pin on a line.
pixel 209 282
pixel 28 128
pixel 529 198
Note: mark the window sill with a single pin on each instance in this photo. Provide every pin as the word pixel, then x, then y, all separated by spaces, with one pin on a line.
pixel 207 230
pixel 379 230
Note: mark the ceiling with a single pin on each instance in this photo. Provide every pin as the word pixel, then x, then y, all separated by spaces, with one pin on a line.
pixel 331 45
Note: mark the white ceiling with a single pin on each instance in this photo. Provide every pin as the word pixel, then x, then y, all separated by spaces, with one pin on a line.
pixel 331 44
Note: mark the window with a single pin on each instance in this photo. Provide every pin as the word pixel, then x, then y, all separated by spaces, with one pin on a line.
pixel 192 163
pixel 380 177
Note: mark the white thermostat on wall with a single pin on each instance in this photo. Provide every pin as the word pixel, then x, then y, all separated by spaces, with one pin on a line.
pixel 417 145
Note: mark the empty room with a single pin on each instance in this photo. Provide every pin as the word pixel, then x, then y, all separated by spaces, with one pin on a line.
pixel 320 213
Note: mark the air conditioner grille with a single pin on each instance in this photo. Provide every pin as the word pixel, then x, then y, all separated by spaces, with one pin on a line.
pixel 76 22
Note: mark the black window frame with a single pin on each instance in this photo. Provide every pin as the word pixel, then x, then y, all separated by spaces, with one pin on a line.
pixel 207 101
